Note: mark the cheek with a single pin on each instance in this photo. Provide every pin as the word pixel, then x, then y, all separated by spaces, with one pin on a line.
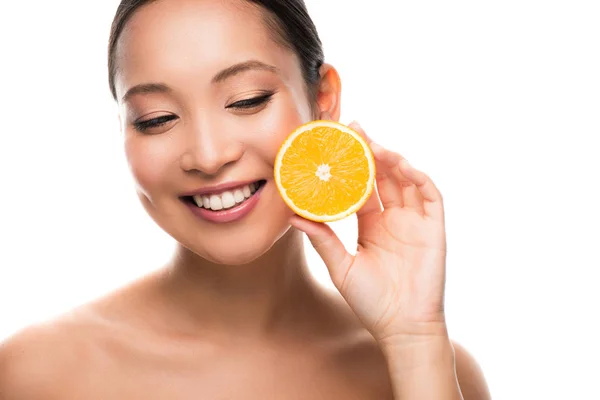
pixel 275 125
pixel 148 160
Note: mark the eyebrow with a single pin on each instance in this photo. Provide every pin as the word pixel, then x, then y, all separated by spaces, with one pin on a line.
pixel 146 88
pixel 242 67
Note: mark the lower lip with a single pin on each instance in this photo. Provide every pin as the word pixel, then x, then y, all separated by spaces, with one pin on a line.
pixel 231 214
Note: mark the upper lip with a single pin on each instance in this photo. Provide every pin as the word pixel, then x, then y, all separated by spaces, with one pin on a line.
pixel 218 188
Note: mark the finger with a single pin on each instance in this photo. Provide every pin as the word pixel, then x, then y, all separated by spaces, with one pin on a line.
pixel 413 200
pixel 390 181
pixel 371 208
pixel 373 204
pixel 403 192
pixel 355 126
pixel 395 187
pixel 328 246
pixel 432 198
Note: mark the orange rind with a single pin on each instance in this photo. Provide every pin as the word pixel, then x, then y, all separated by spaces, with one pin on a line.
pixel 325 171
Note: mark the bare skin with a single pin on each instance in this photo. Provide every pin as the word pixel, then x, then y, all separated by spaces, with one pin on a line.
pixel 127 345
pixel 220 321
pixel 106 350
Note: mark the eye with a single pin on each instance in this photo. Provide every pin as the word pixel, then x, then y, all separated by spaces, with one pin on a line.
pixel 251 103
pixel 144 126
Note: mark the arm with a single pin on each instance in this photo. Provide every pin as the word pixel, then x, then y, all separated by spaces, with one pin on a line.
pixel 423 370
pixel 395 281
pixel 434 368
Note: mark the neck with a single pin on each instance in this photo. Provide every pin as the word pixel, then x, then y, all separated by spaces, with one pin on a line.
pixel 244 300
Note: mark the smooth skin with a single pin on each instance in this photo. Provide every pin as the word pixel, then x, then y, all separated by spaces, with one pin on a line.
pixel 236 314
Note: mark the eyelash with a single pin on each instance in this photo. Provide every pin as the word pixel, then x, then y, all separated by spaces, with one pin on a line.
pixel 253 102
pixel 143 126
pixel 246 104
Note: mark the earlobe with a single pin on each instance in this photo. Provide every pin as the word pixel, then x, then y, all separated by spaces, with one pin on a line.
pixel 329 94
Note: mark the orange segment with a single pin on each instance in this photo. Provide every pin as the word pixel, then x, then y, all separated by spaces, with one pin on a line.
pixel 324 171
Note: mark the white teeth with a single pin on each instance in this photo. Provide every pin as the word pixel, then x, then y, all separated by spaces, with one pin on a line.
pixel 246 191
pixel 215 203
pixel 227 200
pixel 238 196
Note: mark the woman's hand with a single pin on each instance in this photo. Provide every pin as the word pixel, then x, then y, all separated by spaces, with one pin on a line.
pixel 395 282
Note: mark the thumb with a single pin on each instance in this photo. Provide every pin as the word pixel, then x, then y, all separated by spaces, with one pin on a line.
pixel 328 245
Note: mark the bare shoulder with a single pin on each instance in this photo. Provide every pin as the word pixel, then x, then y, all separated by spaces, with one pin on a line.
pixel 61 356
pixel 470 375
pixel 39 361
pixel 51 359
pixel 354 355
pixel 362 363
pixel 359 357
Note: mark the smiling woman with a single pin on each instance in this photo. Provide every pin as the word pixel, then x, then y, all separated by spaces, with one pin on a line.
pixel 206 117
pixel 207 91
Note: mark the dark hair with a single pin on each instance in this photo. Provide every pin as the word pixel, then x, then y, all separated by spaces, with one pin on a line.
pixel 287 19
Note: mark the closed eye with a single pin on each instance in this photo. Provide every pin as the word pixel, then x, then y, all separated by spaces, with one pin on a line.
pixel 143 126
pixel 251 103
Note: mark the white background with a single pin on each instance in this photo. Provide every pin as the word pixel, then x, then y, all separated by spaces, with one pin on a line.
pixel 497 101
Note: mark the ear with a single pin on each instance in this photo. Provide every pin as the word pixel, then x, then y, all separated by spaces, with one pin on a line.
pixel 329 93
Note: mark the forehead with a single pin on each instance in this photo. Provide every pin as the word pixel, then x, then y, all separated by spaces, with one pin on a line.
pixel 183 38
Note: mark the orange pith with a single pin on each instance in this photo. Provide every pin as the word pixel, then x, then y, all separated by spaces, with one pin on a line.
pixel 324 171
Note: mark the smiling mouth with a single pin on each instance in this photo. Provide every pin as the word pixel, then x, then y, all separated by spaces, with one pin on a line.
pixel 227 199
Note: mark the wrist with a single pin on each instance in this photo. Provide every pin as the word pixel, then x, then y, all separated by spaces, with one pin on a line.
pixel 422 352
pixel 422 365
pixel 414 335
pixel 423 369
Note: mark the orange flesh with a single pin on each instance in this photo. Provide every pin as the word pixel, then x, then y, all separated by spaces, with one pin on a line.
pixel 349 170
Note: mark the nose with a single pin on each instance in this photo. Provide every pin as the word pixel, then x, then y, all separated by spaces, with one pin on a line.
pixel 208 150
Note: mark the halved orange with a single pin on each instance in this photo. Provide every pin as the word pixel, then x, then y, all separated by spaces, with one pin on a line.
pixel 325 171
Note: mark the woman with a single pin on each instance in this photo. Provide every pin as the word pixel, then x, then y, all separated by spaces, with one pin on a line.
pixel 207 91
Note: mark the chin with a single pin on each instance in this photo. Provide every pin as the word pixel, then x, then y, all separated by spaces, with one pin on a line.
pixel 239 246
pixel 237 243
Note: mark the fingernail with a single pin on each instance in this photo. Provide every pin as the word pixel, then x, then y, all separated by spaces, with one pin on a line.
pixel 355 125
pixel 376 147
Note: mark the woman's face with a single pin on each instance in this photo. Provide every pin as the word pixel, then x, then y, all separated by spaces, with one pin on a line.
pixel 206 98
